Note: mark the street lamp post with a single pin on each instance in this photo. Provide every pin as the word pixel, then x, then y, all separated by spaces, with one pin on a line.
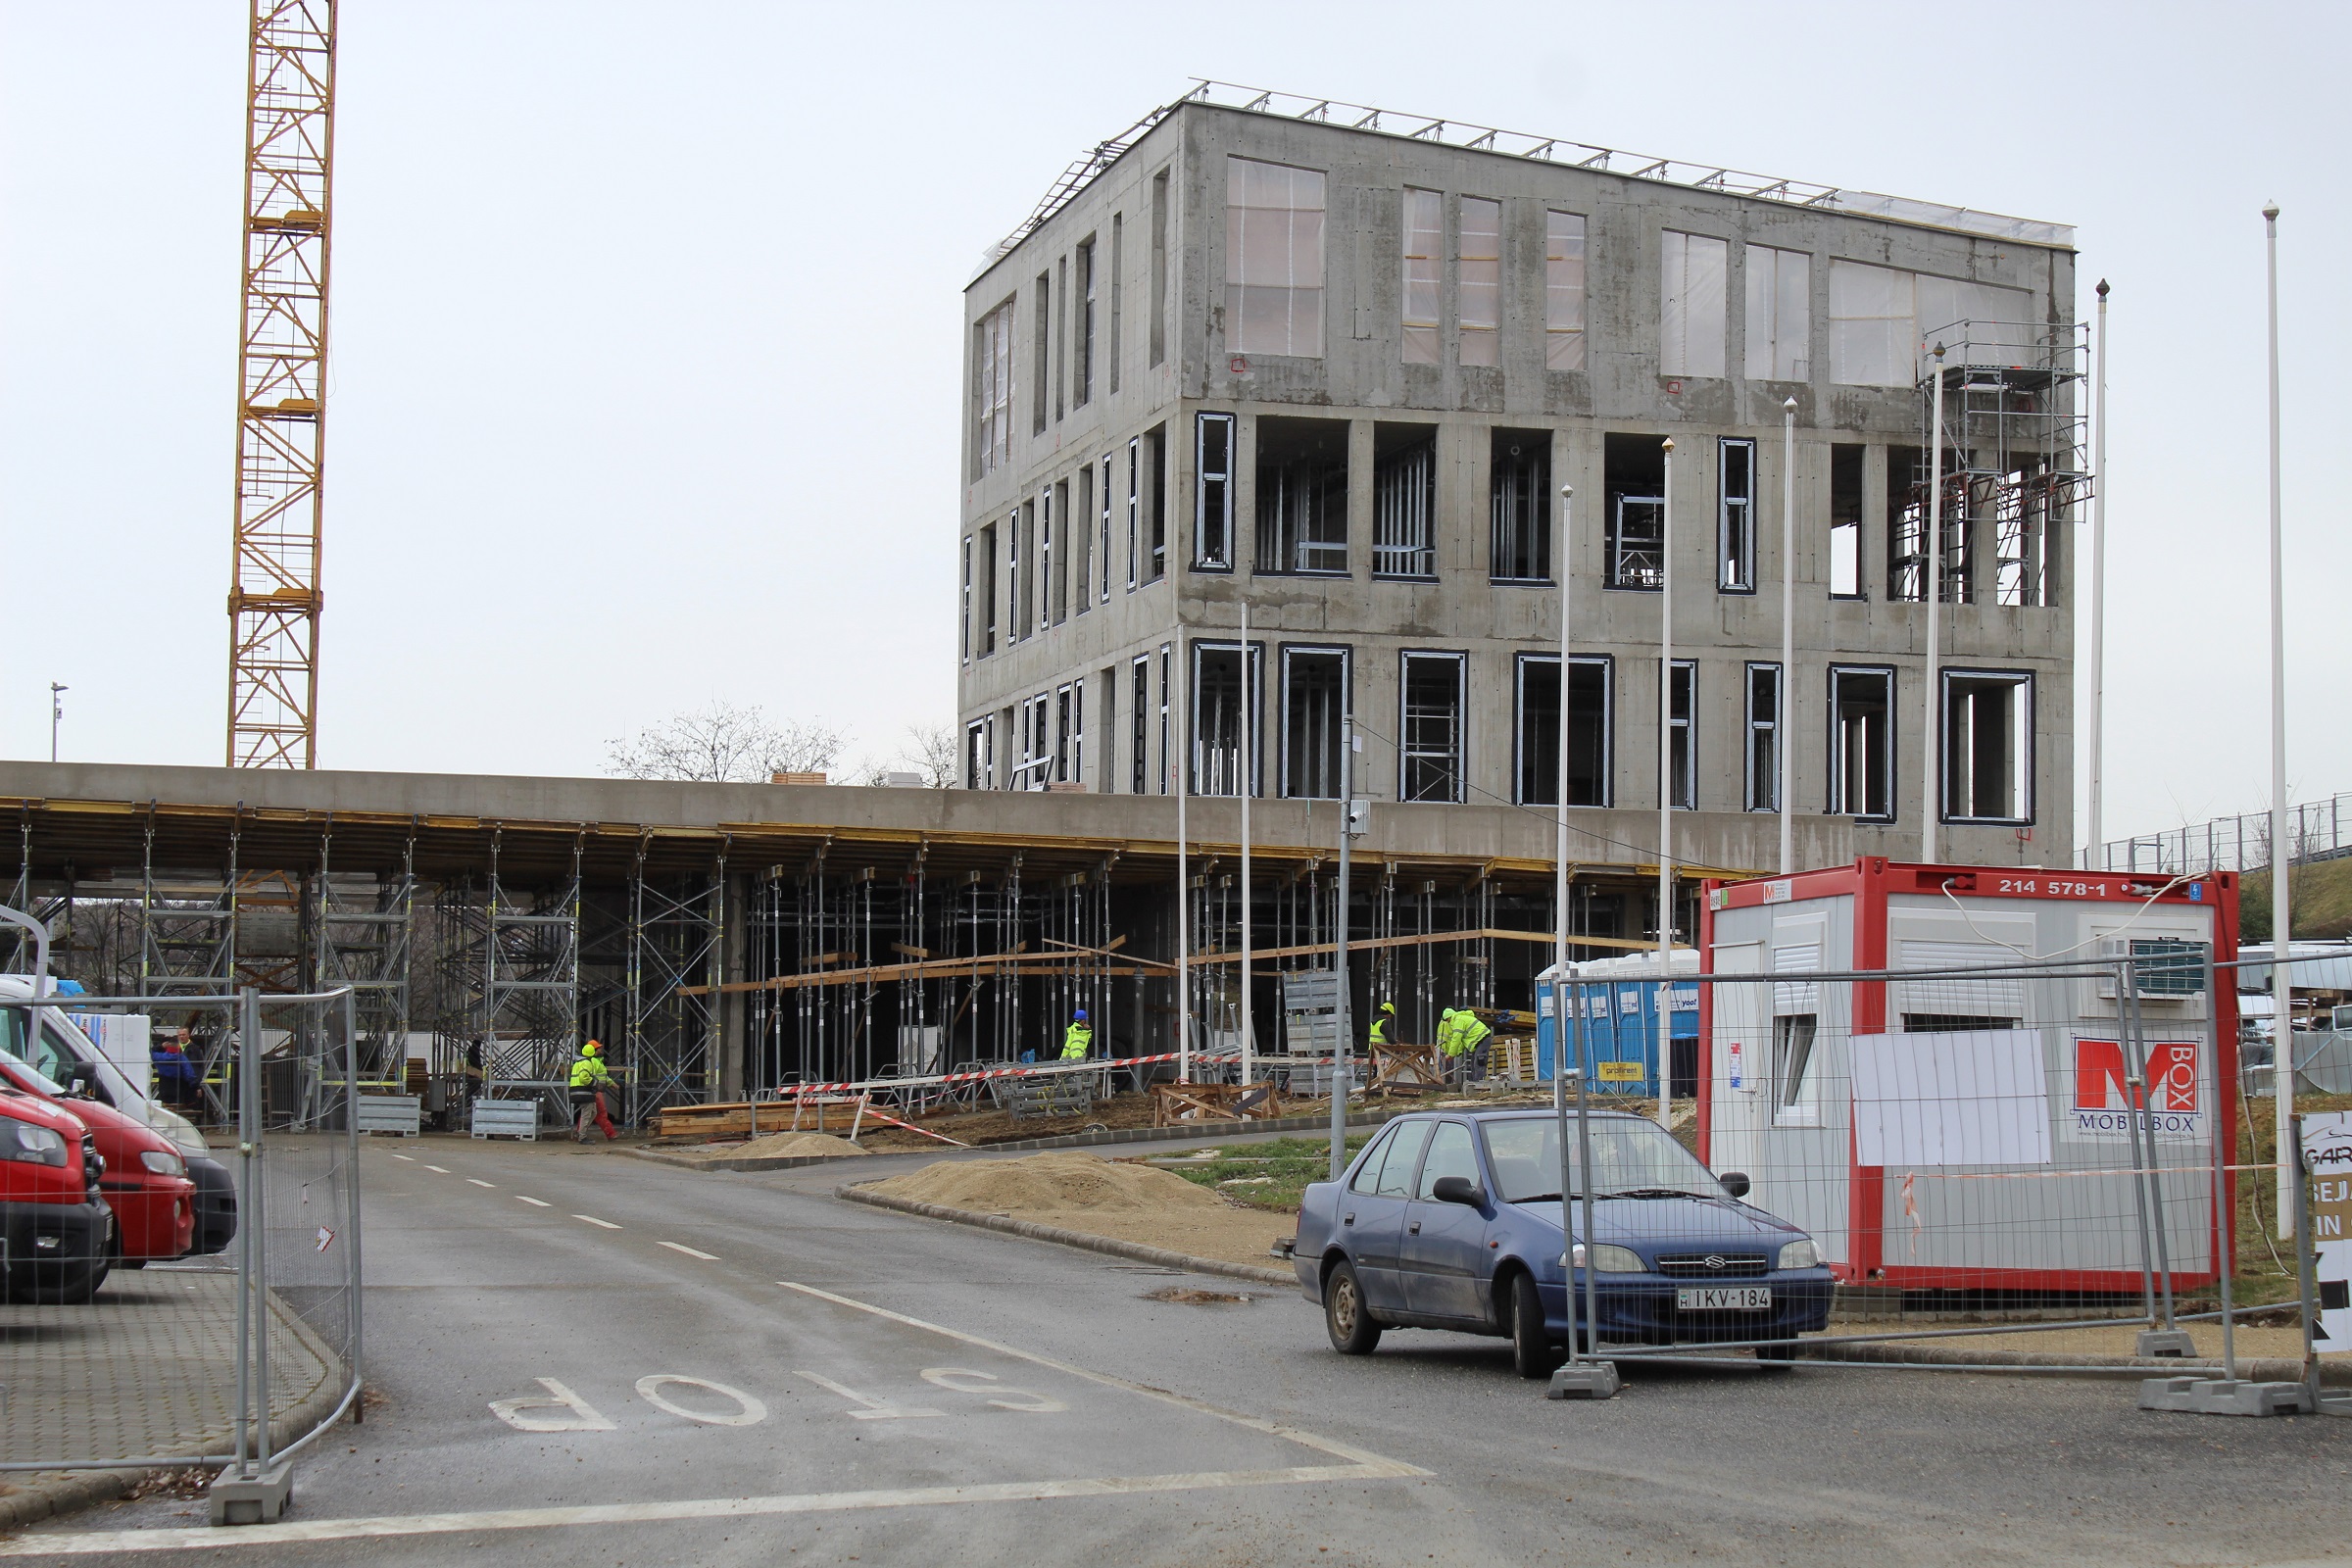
pixel 1784 730
pixel 2283 988
pixel 2096 843
pixel 1560 788
pixel 1249 783
pixel 57 712
pixel 1932 579
pixel 1665 993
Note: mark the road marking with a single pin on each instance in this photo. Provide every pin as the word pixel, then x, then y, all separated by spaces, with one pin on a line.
pixel 874 1409
pixel 535 1203
pixel 578 1415
pixel 750 1414
pixel 593 1220
pixel 965 1381
pixel 478 1182
pixel 677 1246
pixel 624 1513
pixel 442 1169
pixel 1370 1465
pixel 411 1159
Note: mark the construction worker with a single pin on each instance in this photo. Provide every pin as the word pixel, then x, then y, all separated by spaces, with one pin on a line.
pixel 1463 1037
pixel 1382 1022
pixel 591 1082
pixel 1079 1043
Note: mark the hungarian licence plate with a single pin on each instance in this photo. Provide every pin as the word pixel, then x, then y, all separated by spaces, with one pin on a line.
pixel 1723 1298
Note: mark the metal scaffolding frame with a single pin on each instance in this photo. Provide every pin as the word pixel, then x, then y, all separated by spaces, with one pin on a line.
pixel 511 964
pixel 676 934
pixel 364 930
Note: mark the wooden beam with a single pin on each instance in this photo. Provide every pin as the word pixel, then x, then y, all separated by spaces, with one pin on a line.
pixel 1427 937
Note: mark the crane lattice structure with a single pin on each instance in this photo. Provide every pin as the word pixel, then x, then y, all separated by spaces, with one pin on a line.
pixel 274 593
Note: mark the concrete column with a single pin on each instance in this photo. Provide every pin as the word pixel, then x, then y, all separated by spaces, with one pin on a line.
pixel 730 1017
pixel 1361 508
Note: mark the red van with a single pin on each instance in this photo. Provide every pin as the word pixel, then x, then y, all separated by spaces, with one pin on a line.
pixel 146 1182
pixel 56 1236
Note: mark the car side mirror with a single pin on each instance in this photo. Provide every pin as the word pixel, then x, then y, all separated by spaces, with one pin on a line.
pixel 1458 1190
pixel 1735 1183
pixel 81 1080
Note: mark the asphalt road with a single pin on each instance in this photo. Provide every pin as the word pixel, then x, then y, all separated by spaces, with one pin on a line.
pixel 720 1369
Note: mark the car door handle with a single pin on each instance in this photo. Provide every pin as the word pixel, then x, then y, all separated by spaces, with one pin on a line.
pixel 1414 1228
pixel 1348 1220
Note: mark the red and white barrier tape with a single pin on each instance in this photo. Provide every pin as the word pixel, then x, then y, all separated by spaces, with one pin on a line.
pixel 789 1091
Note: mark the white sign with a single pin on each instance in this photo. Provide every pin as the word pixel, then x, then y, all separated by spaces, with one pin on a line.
pixel 2171 1106
pixel 1977 1098
pixel 2327 1157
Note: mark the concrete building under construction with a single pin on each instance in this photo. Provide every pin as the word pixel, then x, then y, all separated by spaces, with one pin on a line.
pixel 1335 364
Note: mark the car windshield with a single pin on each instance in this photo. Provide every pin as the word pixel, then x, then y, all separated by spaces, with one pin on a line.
pixel 33 1075
pixel 1632 1157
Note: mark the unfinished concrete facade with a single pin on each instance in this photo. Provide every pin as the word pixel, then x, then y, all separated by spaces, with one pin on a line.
pixel 1341 370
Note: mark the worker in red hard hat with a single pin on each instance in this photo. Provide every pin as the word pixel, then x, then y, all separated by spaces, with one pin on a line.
pixel 591 1082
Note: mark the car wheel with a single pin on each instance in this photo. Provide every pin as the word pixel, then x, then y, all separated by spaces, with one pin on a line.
pixel 1344 1316
pixel 1531 1352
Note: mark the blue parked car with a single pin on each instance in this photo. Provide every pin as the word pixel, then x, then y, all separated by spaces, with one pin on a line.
pixel 1452 1220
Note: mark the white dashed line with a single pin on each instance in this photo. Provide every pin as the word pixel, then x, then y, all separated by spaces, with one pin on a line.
pixel 535 1203
pixel 411 1159
pixel 593 1220
pixel 478 1182
pixel 708 1257
pixel 442 1169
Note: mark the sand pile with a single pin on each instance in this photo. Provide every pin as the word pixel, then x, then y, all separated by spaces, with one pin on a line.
pixel 1057 1183
pixel 770 1145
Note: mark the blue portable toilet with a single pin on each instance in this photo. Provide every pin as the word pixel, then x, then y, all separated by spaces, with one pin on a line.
pixel 1620 1000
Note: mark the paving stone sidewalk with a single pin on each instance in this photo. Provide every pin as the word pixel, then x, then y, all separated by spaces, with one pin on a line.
pixel 146 1371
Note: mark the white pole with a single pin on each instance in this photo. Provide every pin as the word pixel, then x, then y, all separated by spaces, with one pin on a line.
pixel 1249 784
pixel 1560 788
pixel 1929 732
pixel 1784 729
pixel 2283 989
pixel 1665 993
pixel 1181 732
pixel 2094 857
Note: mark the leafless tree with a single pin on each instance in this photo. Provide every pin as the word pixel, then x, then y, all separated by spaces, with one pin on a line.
pixel 935 754
pixel 725 745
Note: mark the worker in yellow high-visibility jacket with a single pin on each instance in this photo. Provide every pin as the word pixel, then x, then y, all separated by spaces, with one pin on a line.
pixel 1078 1043
pixel 1463 1037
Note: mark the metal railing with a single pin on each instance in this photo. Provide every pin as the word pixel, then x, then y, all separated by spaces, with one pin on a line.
pixel 2317 830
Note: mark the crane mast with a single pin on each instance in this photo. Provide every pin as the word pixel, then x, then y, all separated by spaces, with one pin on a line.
pixel 273 593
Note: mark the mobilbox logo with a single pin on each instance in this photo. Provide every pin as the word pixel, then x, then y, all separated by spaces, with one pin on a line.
pixel 2170 1104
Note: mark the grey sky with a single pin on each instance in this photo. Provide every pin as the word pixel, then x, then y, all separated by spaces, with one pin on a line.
pixel 646 328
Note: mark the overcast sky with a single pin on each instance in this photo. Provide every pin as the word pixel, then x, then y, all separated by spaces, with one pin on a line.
pixel 646 337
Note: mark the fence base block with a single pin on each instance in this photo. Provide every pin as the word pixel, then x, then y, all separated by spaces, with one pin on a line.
pixel 1584 1379
pixel 2165 1341
pixel 2223 1397
pixel 256 1499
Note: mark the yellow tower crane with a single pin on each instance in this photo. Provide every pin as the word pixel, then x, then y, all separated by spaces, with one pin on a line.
pixel 273 592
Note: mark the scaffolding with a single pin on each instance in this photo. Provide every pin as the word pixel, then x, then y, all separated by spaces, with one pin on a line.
pixel 509 962
pixel 365 929
pixel 2015 420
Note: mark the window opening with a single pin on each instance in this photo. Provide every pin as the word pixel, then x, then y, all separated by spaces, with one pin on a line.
pixel 1780 315
pixel 1763 737
pixel 1160 267
pixel 1682 747
pixel 1139 738
pixel 1736 516
pixel 1220 706
pixel 1212 511
pixel 1103 545
pixel 1404 500
pixel 1038 371
pixel 1082 540
pixel 1062 736
pixel 1273 259
pixel 1155 513
pixel 1431 755
pixel 1537 741
pixel 1692 275
pixel 1794 1101
pixel 1314 697
pixel 988 591
pixel 992 389
pixel 1907 528
pixel 1478 285
pixel 1954 1023
pixel 1118 278
pixel 1016 593
pixel 1424 267
pixel 1563 291
pixel 1519 484
pixel 1862 744
pixel 1166 768
pixel 1135 542
pixel 975 756
pixel 1059 513
pixel 1302 496
pixel 1086 325
pixel 1634 477
pixel 1881 317
pixel 1845 521
pixel 1062 331
pixel 2025 505
pixel 1052 574
pixel 1987 747
pixel 964 639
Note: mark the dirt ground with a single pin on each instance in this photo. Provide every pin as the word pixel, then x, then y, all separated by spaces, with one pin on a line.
pixel 1077 1191
pixel 2251 1341
pixel 769 1146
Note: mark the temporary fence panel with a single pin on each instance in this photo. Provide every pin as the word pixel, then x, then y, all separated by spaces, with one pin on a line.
pixel 232 1357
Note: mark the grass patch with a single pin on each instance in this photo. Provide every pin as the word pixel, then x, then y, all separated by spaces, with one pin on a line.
pixel 1270 1176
